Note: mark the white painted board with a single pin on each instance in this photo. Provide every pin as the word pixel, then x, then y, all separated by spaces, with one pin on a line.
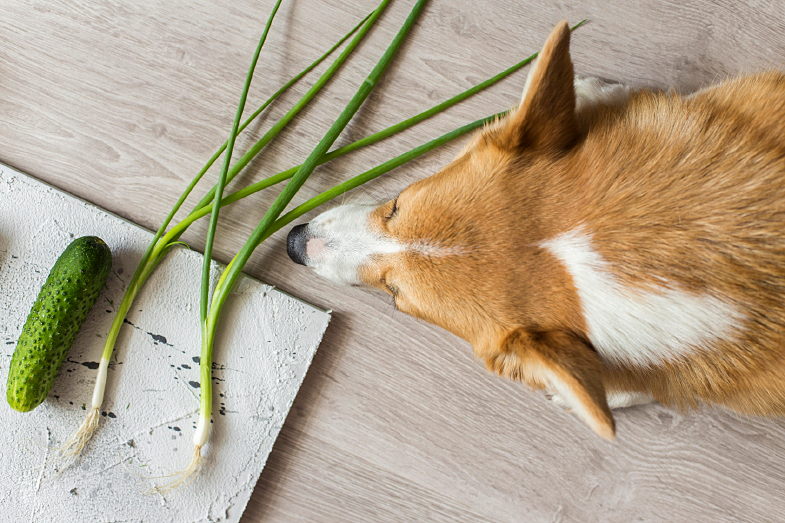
pixel 265 344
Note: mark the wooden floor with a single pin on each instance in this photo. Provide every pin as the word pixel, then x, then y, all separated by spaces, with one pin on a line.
pixel 121 103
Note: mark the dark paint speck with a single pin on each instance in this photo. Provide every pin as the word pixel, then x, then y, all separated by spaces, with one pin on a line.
pixel 158 337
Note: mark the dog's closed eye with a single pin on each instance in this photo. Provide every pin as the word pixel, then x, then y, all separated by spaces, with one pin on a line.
pixel 394 210
pixel 389 287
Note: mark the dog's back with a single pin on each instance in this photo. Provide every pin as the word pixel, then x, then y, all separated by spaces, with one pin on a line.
pixel 684 201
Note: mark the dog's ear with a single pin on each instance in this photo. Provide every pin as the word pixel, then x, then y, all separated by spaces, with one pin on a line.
pixel 546 115
pixel 562 363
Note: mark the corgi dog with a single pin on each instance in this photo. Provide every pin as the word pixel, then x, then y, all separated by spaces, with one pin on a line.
pixel 612 246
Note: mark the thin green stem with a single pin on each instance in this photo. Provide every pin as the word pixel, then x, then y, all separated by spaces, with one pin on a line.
pixel 296 78
pixel 219 188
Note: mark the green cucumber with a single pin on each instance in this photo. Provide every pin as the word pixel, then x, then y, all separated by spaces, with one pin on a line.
pixel 69 293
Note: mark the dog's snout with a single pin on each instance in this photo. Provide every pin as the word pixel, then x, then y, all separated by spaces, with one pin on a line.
pixel 296 244
pixel 337 243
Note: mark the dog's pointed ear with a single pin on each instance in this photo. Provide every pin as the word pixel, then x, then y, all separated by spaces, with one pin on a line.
pixel 546 115
pixel 562 363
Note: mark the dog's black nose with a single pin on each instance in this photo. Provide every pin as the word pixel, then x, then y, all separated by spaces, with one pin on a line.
pixel 295 244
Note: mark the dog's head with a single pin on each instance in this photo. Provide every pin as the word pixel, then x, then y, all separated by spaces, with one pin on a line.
pixel 459 249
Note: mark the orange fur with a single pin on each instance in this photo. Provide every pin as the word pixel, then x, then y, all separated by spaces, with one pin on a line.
pixel 688 191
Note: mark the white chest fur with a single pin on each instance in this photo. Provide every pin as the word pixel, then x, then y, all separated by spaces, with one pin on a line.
pixel 634 326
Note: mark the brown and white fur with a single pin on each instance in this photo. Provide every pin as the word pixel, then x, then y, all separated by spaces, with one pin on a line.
pixel 609 245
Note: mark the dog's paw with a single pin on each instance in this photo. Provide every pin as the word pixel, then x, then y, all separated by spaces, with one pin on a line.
pixel 622 400
pixel 616 400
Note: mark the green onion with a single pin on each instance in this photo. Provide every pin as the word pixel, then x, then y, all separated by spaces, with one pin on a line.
pixel 154 254
pixel 232 272
pixel 202 432
pixel 196 463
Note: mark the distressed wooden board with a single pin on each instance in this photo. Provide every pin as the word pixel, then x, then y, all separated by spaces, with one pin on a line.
pixel 395 421
pixel 265 343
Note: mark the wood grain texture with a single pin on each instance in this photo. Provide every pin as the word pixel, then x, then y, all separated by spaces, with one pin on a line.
pixel 395 422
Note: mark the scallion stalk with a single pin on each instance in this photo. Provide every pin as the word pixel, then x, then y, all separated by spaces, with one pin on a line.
pixel 194 467
pixel 152 256
pixel 202 432
pixel 233 270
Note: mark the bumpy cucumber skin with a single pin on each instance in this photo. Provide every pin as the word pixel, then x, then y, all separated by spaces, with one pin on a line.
pixel 69 293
